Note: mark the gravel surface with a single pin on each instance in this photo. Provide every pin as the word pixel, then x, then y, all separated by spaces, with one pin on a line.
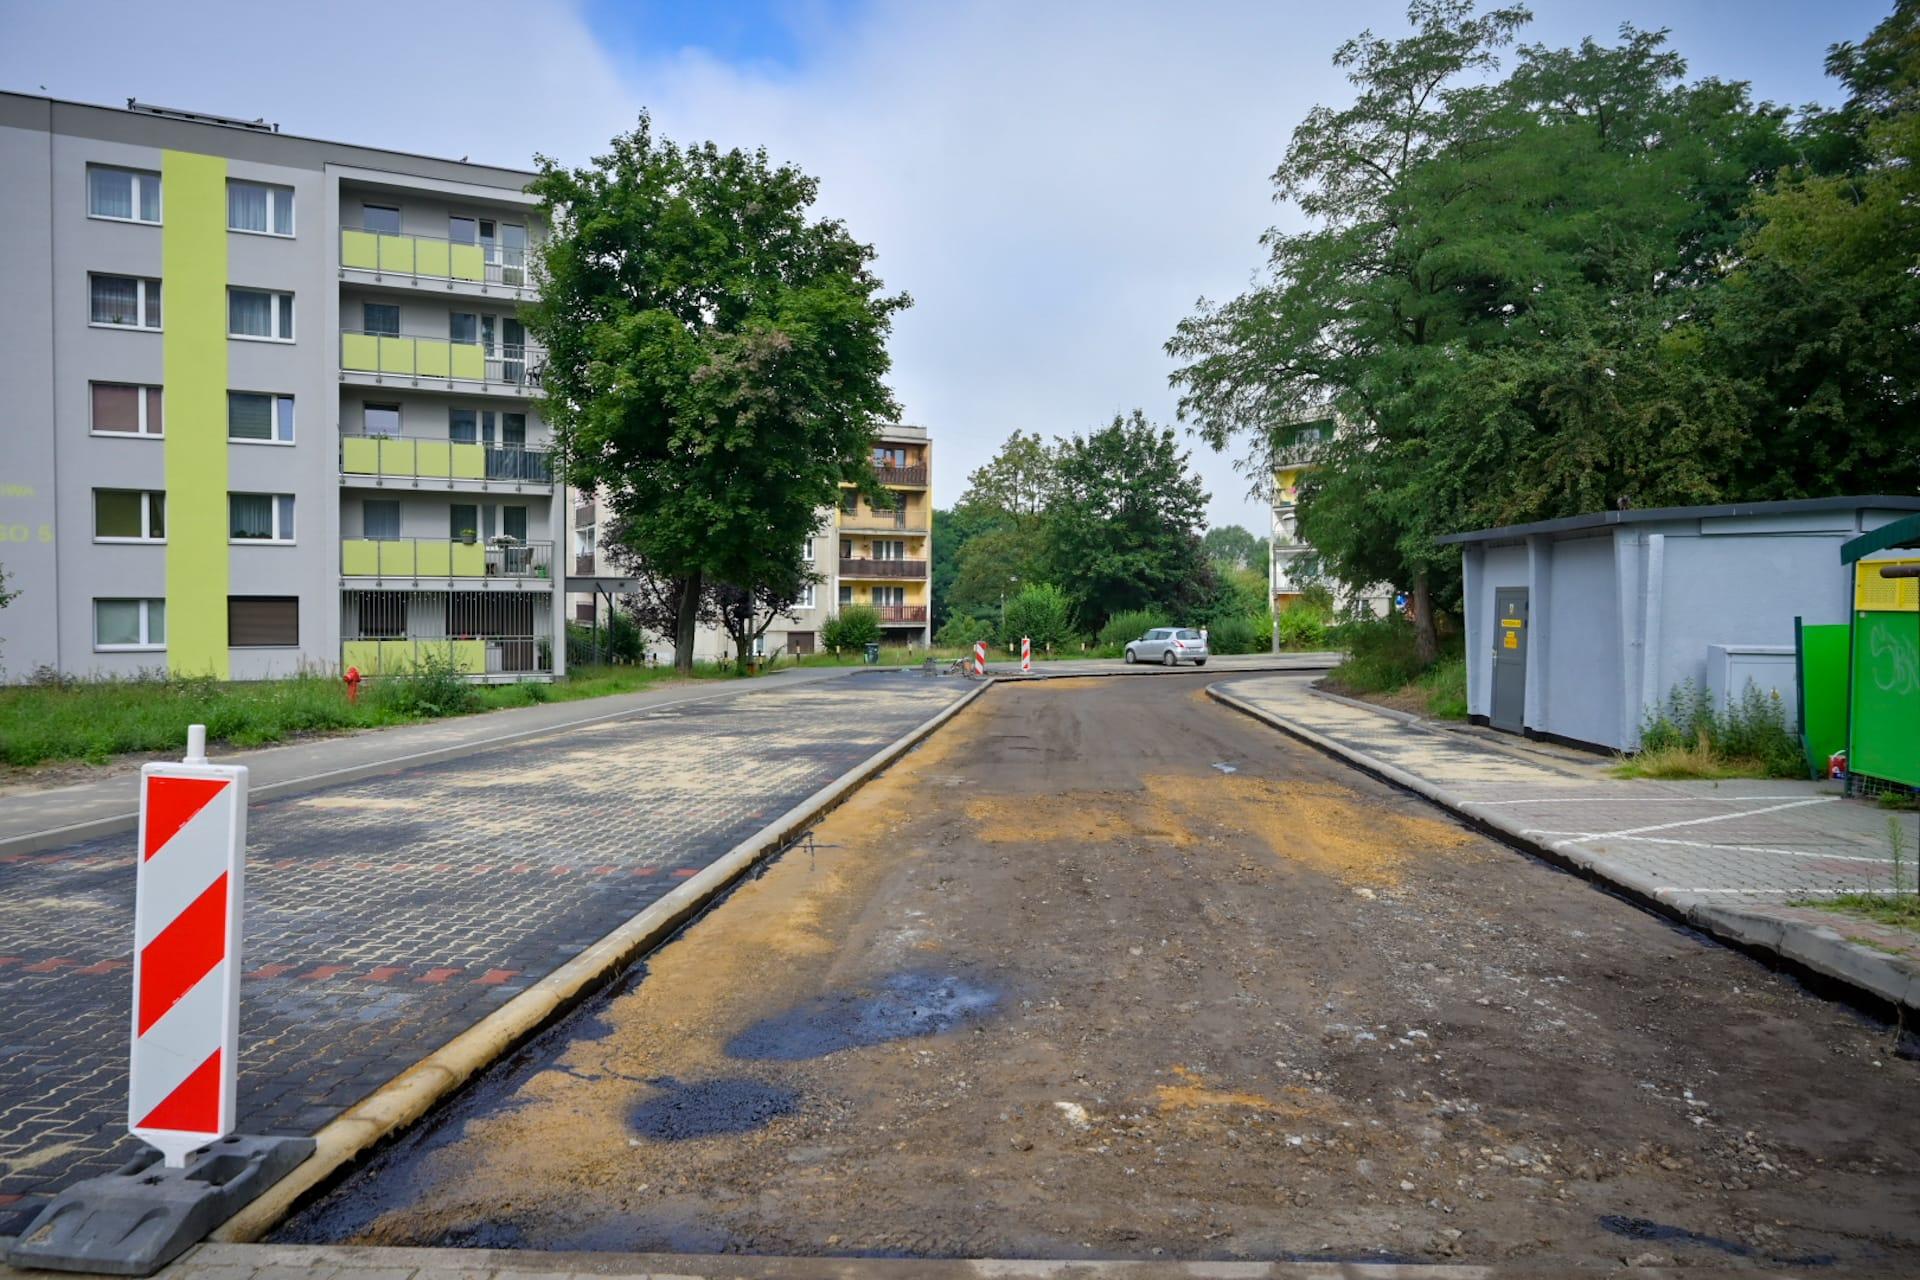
pixel 1107 970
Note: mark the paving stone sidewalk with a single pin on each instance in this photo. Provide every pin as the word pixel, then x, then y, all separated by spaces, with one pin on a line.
pixel 386 916
pixel 1733 857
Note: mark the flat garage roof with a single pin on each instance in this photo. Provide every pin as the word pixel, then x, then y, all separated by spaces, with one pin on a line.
pixel 1601 519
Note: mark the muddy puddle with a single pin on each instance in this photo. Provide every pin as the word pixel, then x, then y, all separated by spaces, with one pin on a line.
pixel 681 1110
pixel 901 1006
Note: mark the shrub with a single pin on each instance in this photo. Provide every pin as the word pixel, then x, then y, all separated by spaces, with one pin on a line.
pixel 1301 628
pixel 1239 634
pixel 1041 613
pixel 1122 628
pixel 1380 655
pixel 960 632
pixel 853 627
pixel 1754 729
pixel 434 687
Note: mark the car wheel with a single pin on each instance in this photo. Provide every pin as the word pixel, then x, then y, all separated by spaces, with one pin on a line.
pixel 1199 662
pixel 1130 658
pixel 1168 660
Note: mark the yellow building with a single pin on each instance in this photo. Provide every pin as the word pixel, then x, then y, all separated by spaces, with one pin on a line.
pixel 883 557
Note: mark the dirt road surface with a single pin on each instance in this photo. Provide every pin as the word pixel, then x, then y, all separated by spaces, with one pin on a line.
pixel 1106 970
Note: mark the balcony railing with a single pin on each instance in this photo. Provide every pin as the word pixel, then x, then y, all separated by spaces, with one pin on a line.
pixel 468 655
pixel 883 568
pixel 432 258
pixel 915 475
pixel 516 364
pixel 894 615
pixel 900 521
pixel 444 558
pixel 432 459
pixel 582 565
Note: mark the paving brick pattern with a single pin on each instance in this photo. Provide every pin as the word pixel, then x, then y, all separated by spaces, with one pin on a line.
pixel 385 917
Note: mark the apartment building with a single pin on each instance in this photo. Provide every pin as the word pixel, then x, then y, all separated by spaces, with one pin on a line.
pixel 1290 562
pixel 270 405
pixel 879 557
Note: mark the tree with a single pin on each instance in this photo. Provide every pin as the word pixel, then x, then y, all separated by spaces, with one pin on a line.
pixel 1123 529
pixel 747 612
pixel 1233 545
pixel 1018 483
pixel 955 530
pixel 716 357
pixel 991 568
pixel 1040 613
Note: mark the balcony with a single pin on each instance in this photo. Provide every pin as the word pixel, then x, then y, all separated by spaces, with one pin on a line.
pixel 422 458
pixel 883 568
pixel 914 477
pixel 413 260
pixel 380 359
pixel 900 615
pixel 473 656
pixel 499 562
pixel 900 521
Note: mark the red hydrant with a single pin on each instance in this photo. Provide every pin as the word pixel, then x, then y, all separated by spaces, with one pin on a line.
pixel 353 684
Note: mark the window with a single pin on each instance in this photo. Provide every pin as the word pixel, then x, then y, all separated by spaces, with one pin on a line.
pixel 121 408
pixel 513 522
pixel 125 302
pixel 256 207
pixel 887 457
pixel 463 230
pixel 129 624
pixel 890 597
pixel 849 500
pixel 463 520
pixel 129 515
pixel 260 517
pixel 263 622
pixel 463 426
pixel 806 551
pixel 381 419
pixel 383 614
pixel 384 219
pixel 126 194
pixel 252 415
pixel 806 597
pixel 382 318
pixel 463 326
pixel 846 596
pixel 380 519
pixel 257 313
pixel 892 549
pixel 513 430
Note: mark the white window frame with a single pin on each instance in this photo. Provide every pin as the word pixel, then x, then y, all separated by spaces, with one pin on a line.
pixel 146 518
pixel 140 303
pixel 273 315
pixel 275 194
pixel 146 643
pixel 142 433
pixel 274 400
pixel 808 597
pixel 139 177
pixel 281 537
pixel 806 551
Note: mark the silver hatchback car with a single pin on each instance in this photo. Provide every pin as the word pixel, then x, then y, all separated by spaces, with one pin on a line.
pixel 1169 646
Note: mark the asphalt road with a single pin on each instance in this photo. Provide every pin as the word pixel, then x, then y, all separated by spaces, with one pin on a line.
pixel 1107 970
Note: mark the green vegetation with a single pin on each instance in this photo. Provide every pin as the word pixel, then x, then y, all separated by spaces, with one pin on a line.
pixel 1689 737
pixel 1383 665
pixel 1041 614
pixel 93 720
pixel 852 629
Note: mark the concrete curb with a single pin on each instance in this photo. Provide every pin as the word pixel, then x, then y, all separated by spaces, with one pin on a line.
pixel 1143 670
pixel 1882 979
pixel 74 833
pixel 407 1097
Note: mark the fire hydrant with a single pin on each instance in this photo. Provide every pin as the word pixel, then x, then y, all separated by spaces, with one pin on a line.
pixel 353 684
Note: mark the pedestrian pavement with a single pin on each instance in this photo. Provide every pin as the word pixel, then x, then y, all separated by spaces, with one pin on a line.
pixel 387 915
pixel 1740 858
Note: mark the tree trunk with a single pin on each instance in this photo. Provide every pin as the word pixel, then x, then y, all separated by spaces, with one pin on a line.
pixel 1426 644
pixel 683 624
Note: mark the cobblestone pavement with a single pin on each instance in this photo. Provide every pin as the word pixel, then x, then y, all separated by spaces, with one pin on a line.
pixel 1753 844
pixel 385 917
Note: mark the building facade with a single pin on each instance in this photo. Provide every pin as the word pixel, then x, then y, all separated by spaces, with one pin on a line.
pixel 271 408
pixel 1291 564
pixel 862 555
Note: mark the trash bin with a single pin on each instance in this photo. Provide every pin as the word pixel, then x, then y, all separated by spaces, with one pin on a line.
pixel 873 654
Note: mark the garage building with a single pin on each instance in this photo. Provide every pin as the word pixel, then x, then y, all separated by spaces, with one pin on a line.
pixel 1574 627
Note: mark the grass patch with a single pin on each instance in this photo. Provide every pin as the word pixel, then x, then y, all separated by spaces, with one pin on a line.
pixel 1381 666
pixel 1901 910
pixel 1698 761
pixel 95 720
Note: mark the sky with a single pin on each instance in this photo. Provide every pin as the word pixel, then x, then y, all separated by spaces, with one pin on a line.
pixel 1055 183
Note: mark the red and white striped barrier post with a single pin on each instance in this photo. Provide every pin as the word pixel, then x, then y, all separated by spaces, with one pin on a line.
pixel 186 952
pixel 1026 653
pixel 979 657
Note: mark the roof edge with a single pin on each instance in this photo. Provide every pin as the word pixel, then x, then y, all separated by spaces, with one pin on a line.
pixel 1605 519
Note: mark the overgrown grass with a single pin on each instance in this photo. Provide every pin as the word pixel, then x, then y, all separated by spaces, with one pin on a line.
pixel 1902 910
pixel 1381 666
pixel 94 720
pixel 1688 737
pixel 1681 761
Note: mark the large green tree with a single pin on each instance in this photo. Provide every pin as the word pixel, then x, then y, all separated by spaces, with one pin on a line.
pixel 1123 528
pixel 716 357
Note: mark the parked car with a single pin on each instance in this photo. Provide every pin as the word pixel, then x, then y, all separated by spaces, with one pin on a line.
pixel 1169 646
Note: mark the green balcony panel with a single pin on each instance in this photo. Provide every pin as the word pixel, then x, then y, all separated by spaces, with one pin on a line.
pixel 360 351
pixel 396 559
pixel 467 262
pixel 396 458
pixel 436 560
pixel 430 458
pixel 430 258
pixel 363 655
pixel 359 455
pixel 469 656
pixel 469 462
pixel 432 357
pixel 396 657
pixel 469 560
pixel 396 254
pixel 360 250
pixel 359 558
pixel 396 355
pixel 469 362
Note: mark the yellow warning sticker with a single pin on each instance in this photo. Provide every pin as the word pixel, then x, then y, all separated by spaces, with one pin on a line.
pixel 1512 622
pixel 1512 640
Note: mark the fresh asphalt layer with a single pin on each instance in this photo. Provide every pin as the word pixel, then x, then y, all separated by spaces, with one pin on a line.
pixel 386 916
